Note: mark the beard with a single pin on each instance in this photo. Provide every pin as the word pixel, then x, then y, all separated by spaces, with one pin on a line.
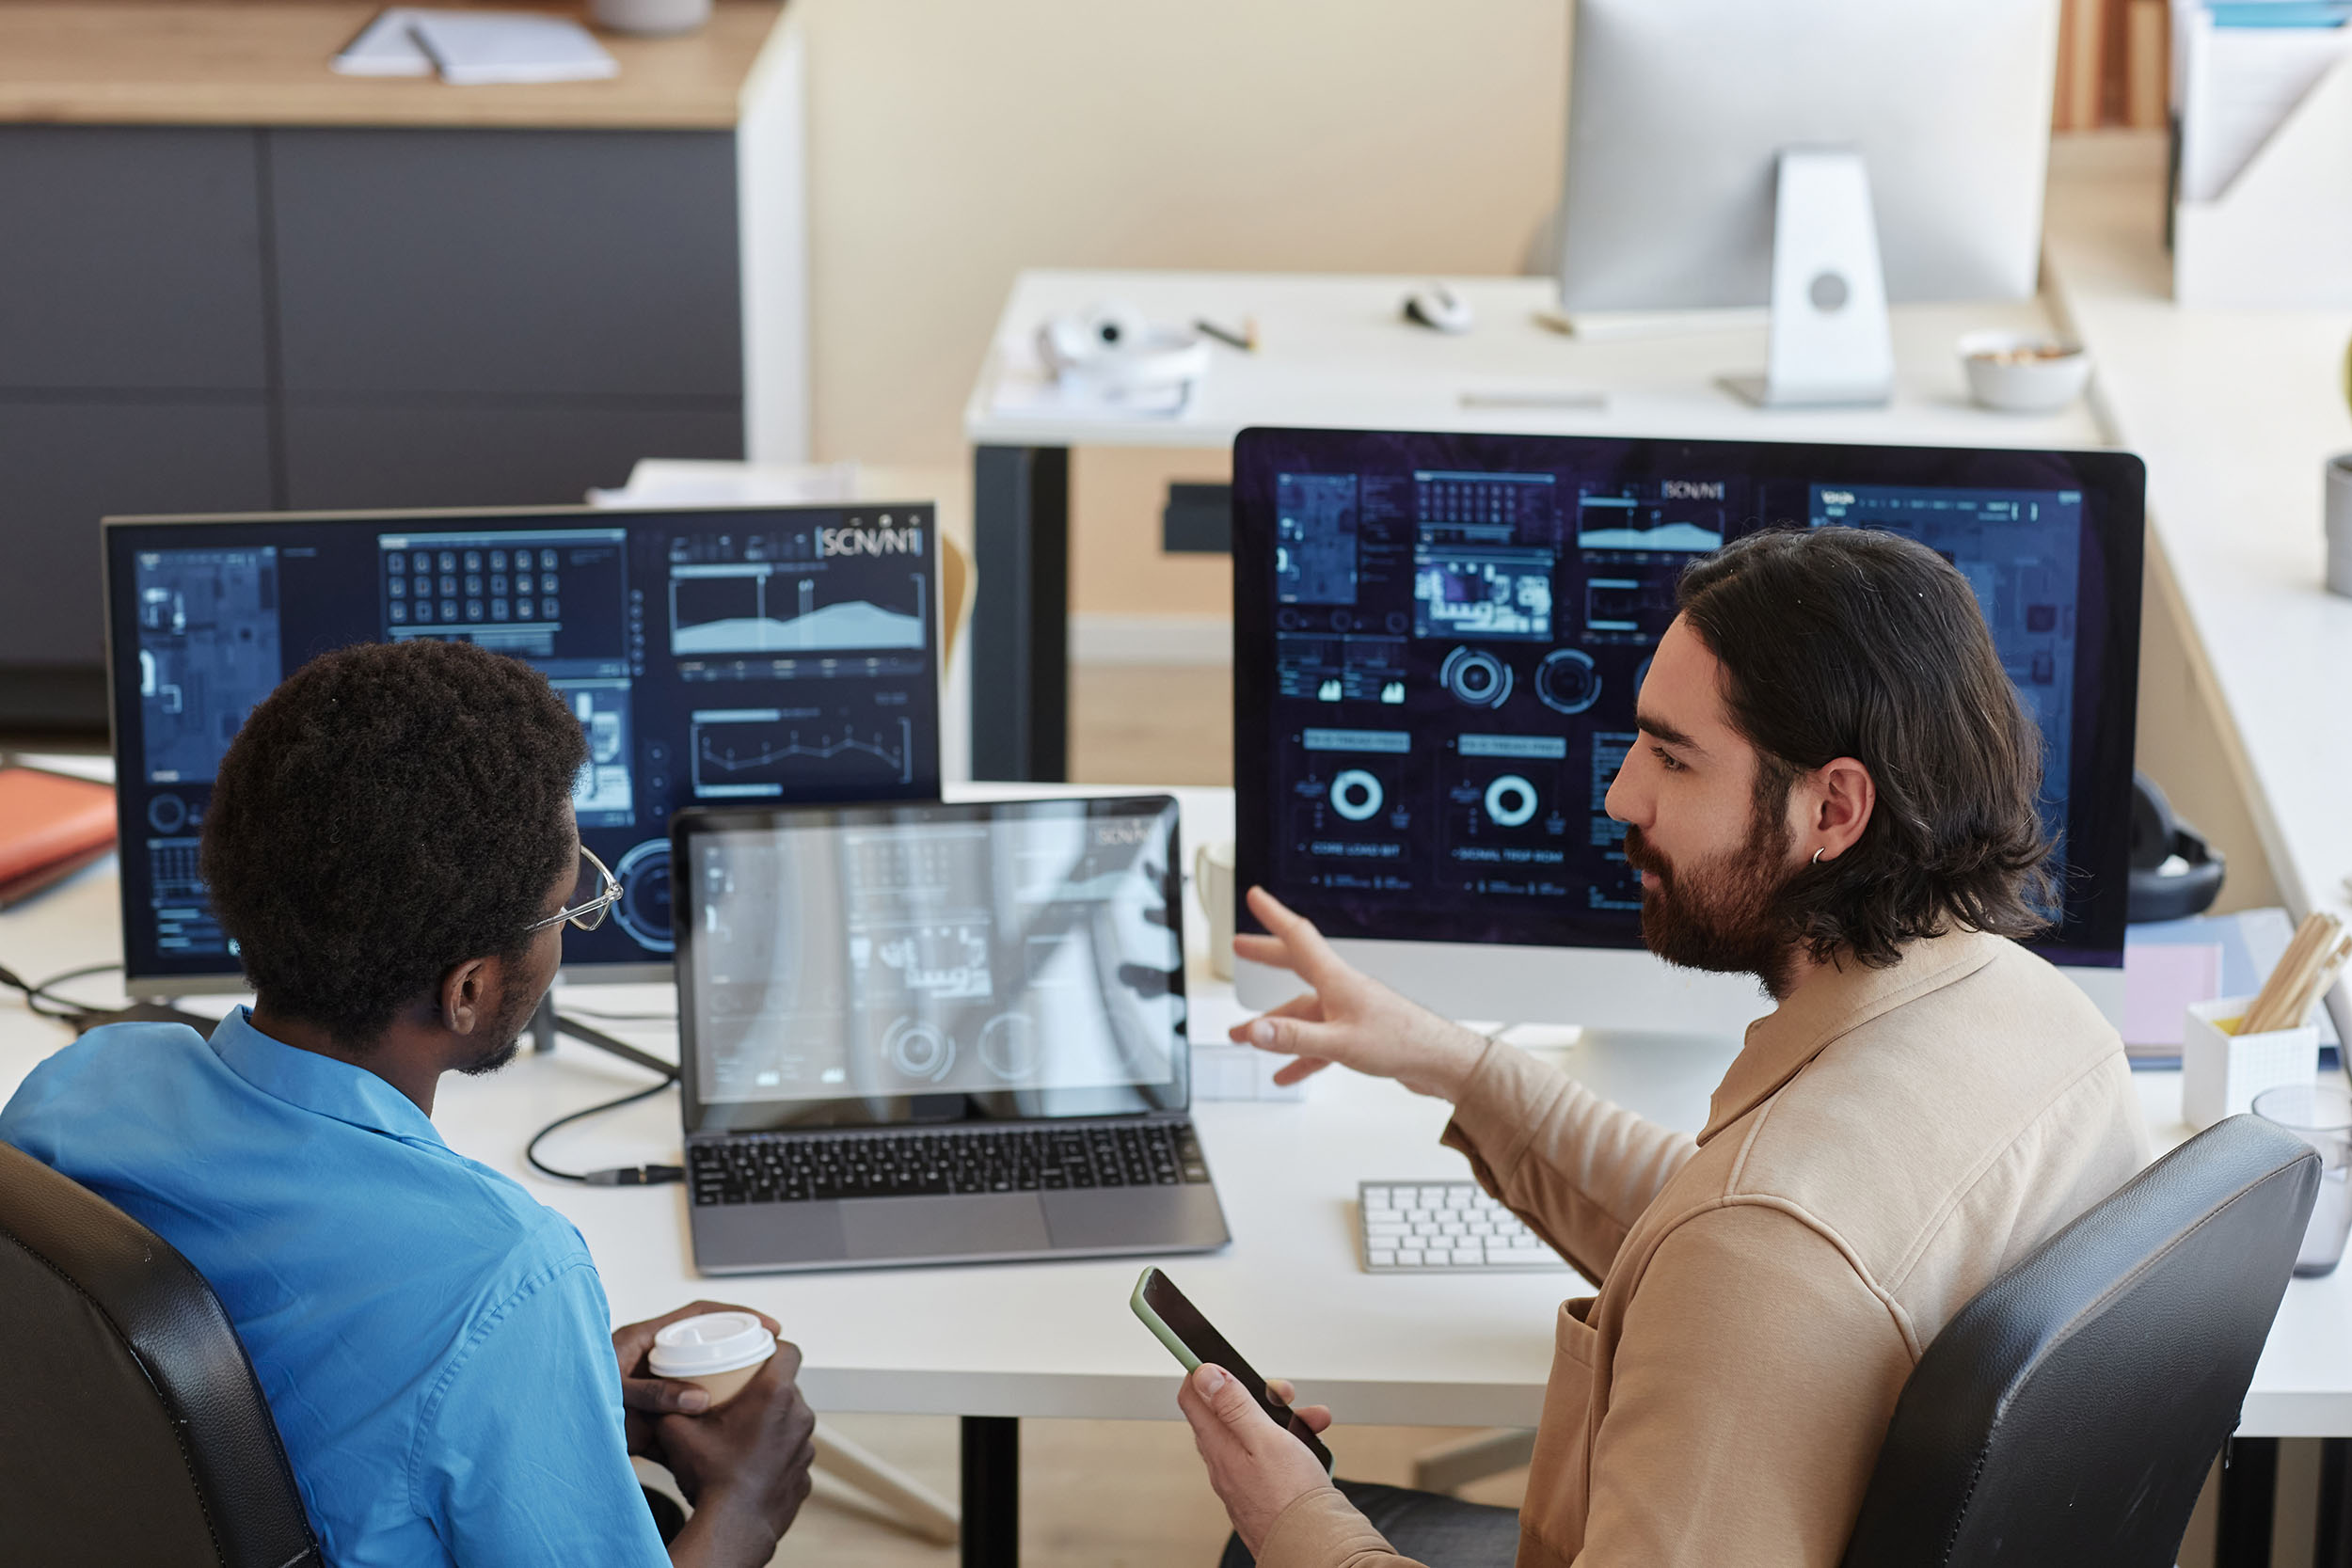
pixel 506 1028
pixel 1722 915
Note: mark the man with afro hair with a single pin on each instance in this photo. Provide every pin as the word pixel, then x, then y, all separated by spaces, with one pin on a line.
pixel 390 843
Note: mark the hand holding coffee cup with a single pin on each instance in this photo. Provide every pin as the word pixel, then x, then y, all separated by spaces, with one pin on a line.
pixel 716 1351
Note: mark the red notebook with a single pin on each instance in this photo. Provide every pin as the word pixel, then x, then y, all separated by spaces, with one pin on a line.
pixel 47 821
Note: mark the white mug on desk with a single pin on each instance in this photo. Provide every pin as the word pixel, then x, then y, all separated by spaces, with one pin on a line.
pixel 1213 884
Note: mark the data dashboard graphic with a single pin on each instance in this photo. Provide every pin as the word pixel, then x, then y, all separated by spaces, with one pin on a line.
pixel 1442 683
pixel 775 654
pixel 780 597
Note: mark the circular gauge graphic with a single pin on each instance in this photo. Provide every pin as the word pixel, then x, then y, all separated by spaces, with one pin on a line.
pixel 1357 795
pixel 1476 676
pixel 1342 621
pixel 1511 801
pixel 1566 682
pixel 919 1050
pixel 643 910
pixel 1397 621
pixel 1008 1047
pixel 1290 619
pixel 166 813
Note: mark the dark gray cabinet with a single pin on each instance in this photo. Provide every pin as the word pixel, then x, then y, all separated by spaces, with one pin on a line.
pixel 241 318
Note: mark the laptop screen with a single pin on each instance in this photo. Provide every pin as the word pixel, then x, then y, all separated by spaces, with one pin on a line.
pixel 880 965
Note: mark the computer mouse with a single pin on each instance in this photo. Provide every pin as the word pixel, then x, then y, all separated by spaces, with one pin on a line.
pixel 1435 306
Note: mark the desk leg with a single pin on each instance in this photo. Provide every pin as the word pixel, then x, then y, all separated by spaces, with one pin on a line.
pixel 2250 1501
pixel 1021 620
pixel 2334 1546
pixel 992 1492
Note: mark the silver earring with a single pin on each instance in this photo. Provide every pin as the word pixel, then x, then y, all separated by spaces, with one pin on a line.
pixel 1816 855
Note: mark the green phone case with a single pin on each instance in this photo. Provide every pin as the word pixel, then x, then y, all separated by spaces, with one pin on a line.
pixel 1160 1331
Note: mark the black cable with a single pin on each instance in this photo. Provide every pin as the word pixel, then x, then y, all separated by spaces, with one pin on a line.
pixel 36 991
pixel 620 1175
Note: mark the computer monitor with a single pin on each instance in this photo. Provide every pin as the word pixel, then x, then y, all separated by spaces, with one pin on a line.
pixel 712 656
pixel 1436 644
pixel 1727 153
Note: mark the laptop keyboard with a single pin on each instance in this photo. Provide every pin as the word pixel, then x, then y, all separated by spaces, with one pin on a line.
pixel 800 1168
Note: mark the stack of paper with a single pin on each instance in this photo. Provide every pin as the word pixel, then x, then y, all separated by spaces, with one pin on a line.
pixel 2239 70
pixel 475 48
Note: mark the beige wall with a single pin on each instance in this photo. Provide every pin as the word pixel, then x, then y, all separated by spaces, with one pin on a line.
pixel 952 143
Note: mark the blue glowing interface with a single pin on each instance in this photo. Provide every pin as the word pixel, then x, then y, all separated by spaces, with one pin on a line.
pixel 1438 657
pixel 736 656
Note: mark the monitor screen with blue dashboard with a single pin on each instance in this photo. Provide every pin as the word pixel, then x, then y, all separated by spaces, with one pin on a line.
pixel 733 656
pixel 1437 640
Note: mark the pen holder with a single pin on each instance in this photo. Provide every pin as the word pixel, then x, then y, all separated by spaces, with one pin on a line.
pixel 2221 1071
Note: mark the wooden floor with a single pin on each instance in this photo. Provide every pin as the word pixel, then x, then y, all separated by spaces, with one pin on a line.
pixel 1107 1494
pixel 1093 1493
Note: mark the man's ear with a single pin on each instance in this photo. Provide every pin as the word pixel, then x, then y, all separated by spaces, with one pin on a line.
pixel 465 995
pixel 1842 797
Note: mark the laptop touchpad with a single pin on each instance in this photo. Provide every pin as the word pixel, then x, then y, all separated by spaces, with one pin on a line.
pixel 961 1227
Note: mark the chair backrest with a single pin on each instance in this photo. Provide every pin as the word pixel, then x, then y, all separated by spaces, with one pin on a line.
pixel 2070 1413
pixel 132 1431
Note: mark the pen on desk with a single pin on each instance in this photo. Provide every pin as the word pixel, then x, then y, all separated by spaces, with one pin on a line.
pixel 1245 340
pixel 1565 397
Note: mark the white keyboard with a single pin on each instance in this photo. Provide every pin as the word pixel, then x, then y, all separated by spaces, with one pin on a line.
pixel 1426 1226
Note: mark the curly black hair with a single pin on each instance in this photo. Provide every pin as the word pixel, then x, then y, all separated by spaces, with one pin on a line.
pixel 1841 641
pixel 391 810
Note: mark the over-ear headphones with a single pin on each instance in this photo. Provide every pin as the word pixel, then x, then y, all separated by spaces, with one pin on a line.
pixel 2159 889
pixel 1112 350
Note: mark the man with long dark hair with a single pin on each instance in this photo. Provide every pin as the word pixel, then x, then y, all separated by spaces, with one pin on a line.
pixel 1834 790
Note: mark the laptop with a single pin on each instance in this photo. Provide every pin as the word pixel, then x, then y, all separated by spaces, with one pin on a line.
pixel 935 1034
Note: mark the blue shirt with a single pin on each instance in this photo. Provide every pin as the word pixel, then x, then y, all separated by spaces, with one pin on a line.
pixel 435 1344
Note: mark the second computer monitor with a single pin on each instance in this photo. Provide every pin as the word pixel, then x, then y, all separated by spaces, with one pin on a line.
pixel 1438 640
pixel 712 656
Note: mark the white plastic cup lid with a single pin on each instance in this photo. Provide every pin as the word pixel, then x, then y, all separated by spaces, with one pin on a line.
pixel 714 1342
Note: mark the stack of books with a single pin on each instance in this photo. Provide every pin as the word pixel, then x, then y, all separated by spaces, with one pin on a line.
pixel 50 826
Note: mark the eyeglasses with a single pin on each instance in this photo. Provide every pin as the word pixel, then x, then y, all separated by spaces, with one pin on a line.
pixel 589 913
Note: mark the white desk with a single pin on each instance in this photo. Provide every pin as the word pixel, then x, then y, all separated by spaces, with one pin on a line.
pixel 1055 1339
pixel 1334 353
pixel 2235 411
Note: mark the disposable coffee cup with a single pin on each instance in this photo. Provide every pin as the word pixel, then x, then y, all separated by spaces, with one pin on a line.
pixel 1212 881
pixel 2338 514
pixel 719 1352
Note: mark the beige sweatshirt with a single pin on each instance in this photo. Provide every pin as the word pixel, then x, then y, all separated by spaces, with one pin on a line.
pixel 1887 1143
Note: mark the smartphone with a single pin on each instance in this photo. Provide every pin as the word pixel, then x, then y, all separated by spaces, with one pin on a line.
pixel 1189 1338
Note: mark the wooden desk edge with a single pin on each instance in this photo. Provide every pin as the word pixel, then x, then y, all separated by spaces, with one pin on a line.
pixel 267 65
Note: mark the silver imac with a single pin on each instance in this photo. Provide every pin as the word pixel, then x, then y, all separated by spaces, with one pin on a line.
pixel 1819 156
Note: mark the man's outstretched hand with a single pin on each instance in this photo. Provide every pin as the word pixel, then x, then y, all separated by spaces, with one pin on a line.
pixel 1347 1017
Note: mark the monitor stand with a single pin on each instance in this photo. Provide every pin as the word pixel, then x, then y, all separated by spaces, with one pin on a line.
pixel 546 1023
pixel 1668 1078
pixel 1831 345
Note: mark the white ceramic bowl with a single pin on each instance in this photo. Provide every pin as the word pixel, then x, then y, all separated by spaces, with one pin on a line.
pixel 2020 373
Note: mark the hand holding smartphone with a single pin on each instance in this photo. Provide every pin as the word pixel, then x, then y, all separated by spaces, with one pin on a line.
pixel 1189 1336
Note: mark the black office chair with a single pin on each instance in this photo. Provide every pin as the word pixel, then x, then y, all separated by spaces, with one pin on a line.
pixel 132 1431
pixel 2070 1413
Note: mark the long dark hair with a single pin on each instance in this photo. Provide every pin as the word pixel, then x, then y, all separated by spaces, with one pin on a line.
pixel 1840 641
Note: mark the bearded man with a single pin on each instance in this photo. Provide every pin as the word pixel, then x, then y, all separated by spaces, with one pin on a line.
pixel 1834 790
